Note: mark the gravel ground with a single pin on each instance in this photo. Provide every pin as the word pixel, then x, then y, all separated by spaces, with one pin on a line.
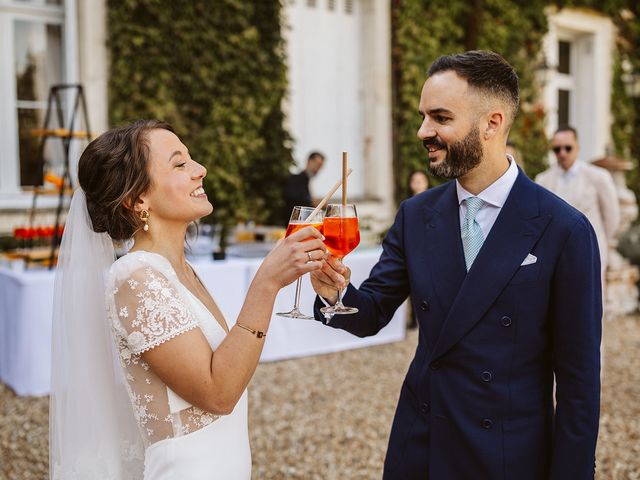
pixel 328 417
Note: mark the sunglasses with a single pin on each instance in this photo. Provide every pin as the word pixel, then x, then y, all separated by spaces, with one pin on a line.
pixel 558 149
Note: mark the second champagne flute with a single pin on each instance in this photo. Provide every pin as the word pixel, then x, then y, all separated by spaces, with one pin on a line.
pixel 300 218
pixel 342 235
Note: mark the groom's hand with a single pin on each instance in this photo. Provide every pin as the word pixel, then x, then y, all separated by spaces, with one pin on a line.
pixel 329 278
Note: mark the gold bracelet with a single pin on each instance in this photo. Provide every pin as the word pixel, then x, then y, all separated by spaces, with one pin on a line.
pixel 257 333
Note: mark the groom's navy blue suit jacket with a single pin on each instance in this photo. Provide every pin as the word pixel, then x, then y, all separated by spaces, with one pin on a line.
pixel 477 401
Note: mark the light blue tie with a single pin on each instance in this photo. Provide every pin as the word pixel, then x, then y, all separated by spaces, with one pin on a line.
pixel 472 237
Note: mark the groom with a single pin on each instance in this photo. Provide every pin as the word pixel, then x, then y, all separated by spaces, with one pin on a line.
pixel 505 281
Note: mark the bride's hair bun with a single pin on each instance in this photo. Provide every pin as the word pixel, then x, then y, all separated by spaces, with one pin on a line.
pixel 113 173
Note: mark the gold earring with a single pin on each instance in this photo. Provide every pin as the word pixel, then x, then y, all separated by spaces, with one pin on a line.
pixel 144 216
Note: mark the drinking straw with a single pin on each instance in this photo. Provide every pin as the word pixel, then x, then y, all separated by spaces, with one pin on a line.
pixel 329 194
pixel 344 181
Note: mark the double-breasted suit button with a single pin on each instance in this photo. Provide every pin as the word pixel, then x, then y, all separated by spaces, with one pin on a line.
pixel 487 423
pixel 424 306
pixel 486 376
pixel 435 365
pixel 505 321
pixel 424 408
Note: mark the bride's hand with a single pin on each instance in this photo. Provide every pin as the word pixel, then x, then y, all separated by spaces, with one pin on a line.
pixel 301 252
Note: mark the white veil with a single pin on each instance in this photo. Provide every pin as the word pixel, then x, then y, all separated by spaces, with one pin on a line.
pixel 92 431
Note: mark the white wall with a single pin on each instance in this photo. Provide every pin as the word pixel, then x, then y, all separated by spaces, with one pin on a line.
pixel 94 61
pixel 340 96
pixel 325 88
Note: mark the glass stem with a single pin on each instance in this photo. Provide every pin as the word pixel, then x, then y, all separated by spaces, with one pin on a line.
pixel 297 298
pixel 340 290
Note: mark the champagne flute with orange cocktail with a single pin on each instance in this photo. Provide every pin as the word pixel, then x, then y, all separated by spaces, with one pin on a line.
pixel 301 217
pixel 342 235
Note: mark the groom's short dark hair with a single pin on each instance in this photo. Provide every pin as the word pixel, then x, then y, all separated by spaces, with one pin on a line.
pixel 486 71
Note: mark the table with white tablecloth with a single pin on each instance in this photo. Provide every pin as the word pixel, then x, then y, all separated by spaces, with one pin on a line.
pixel 26 301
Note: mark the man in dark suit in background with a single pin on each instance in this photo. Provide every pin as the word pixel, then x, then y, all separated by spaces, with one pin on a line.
pixel 296 189
pixel 505 281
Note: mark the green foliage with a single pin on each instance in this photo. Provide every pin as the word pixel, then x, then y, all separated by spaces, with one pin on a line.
pixel 515 29
pixel 422 31
pixel 622 128
pixel 216 72
pixel 626 110
pixel 426 29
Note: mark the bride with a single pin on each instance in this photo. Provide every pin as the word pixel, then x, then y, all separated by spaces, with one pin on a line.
pixel 149 379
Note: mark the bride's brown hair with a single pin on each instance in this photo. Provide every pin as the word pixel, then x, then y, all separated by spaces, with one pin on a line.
pixel 113 173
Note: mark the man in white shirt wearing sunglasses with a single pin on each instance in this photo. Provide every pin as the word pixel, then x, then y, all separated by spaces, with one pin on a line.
pixel 585 187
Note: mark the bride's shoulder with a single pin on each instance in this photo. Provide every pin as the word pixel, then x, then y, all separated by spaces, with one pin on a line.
pixel 137 263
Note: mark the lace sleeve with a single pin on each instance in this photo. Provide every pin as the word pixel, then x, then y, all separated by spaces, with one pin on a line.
pixel 149 310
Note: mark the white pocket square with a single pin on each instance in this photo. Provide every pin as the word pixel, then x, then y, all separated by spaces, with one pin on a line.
pixel 529 260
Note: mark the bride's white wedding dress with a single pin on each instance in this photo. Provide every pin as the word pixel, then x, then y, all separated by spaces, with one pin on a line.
pixel 147 306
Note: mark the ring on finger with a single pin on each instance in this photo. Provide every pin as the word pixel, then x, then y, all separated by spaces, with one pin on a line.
pixel 309 255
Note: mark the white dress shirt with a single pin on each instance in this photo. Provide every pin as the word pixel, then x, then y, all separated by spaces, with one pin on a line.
pixel 566 181
pixel 493 196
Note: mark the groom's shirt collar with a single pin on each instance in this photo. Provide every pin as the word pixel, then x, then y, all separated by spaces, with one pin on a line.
pixel 495 194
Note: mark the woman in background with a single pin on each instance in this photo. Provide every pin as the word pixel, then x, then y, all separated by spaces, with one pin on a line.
pixel 418 182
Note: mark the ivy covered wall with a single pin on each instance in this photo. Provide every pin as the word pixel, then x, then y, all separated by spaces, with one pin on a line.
pixel 216 72
pixel 626 109
pixel 426 29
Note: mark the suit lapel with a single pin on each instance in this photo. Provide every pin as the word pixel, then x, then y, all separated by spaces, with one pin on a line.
pixel 513 235
pixel 446 257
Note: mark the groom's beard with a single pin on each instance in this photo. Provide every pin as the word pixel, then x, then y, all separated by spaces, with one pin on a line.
pixel 462 156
